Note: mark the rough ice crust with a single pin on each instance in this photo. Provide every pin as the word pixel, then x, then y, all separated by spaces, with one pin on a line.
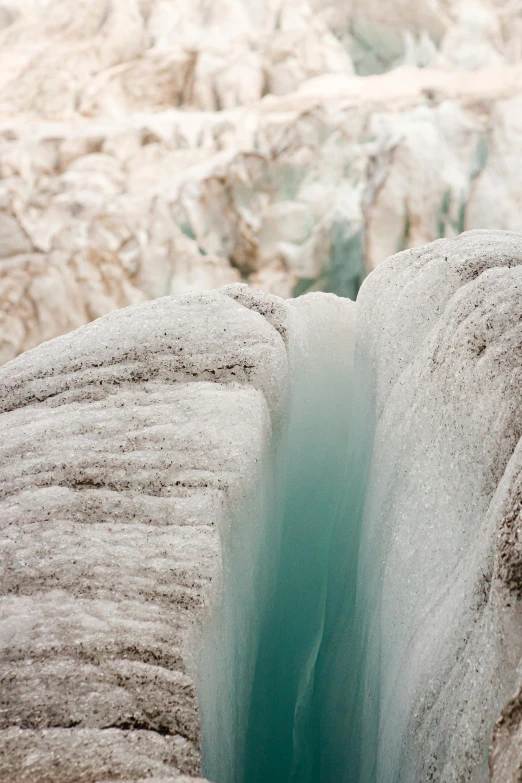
pixel 437 616
pixel 123 445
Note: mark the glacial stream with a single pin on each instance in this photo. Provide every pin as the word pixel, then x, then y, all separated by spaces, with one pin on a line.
pixel 267 707
pixel 283 739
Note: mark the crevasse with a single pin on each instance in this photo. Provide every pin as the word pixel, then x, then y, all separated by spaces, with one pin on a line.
pixel 281 742
pixel 260 706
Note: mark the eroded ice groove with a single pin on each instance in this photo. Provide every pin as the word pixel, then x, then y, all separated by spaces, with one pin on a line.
pixel 281 731
pixel 257 709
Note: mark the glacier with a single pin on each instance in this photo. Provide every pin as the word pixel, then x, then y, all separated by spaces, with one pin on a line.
pixel 258 539
pixel 152 148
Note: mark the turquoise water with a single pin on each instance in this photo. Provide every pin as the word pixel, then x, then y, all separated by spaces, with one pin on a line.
pixel 346 692
pixel 281 739
pixel 290 701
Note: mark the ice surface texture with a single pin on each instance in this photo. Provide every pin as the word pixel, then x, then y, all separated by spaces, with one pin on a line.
pixel 122 444
pixel 189 496
pixel 418 664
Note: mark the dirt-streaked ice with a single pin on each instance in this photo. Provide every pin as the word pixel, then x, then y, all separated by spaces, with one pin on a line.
pixel 216 513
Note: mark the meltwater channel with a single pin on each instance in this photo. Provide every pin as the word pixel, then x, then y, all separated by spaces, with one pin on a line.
pixel 275 678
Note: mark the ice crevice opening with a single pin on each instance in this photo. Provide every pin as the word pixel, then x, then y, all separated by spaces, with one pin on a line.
pixel 362 636
pixel 261 649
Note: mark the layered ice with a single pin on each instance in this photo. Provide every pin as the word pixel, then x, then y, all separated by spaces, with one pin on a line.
pixel 122 445
pixel 306 510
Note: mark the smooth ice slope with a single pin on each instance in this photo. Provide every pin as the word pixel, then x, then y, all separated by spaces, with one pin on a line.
pixel 417 665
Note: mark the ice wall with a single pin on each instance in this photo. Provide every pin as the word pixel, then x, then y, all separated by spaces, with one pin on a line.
pixel 122 447
pixel 419 650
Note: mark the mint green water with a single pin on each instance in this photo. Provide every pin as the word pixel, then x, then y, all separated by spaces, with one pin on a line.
pixel 347 698
pixel 283 676
pixel 282 730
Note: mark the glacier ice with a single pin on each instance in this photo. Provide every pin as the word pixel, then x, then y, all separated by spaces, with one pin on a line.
pixel 310 509
pixel 392 639
pixel 146 145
